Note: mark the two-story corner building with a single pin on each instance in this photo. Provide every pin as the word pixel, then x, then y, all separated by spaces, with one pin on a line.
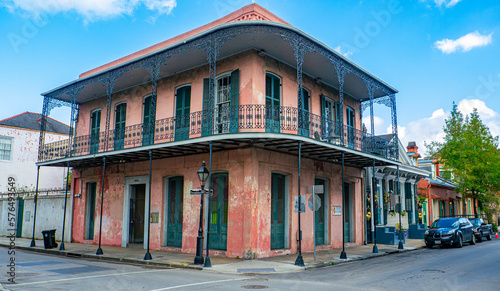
pixel 395 191
pixel 19 141
pixel 269 108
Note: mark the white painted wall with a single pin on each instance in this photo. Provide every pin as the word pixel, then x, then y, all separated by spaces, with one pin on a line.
pixel 25 154
pixel 50 211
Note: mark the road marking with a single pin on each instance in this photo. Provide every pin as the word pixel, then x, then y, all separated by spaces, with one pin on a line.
pixel 197 284
pixel 88 277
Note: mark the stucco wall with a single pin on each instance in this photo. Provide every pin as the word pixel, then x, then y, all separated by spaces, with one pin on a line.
pixel 249 200
pixel 50 211
pixel 253 69
pixel 24 156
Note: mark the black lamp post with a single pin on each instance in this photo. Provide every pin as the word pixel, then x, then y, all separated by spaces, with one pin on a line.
pixel 202 175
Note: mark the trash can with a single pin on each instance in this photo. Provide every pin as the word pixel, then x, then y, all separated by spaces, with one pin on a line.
pixel 49 239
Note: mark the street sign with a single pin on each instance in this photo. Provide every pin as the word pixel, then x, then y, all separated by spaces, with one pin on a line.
pixel 196 191
pixel 302 204
pixel 337 210
pixel 199 191
pixel 314 202
pixel 315 189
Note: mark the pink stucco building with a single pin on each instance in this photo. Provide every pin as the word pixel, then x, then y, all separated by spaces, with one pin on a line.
pixel 254 98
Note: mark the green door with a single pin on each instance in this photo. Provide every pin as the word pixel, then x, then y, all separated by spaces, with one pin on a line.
pixel 175 211
pixel 148 129
pixel 277 211
pixel 339 123
pixel 95 127
pixel 120 117
pixel 347 212
pixel 350 127
pixel 182 111
pixel 20 211
pixel 319 215
pixel 273 102
pixel 218 212
pixel 90 215
pixel 304 119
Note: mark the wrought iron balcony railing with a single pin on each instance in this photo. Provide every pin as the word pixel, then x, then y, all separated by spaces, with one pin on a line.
pixel 223 120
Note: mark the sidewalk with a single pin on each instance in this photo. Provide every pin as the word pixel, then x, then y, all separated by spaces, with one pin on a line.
pixel 278 264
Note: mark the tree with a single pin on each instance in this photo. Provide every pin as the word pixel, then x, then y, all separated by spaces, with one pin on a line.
pixel 471 153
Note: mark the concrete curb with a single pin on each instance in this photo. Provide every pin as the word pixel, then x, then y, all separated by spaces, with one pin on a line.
pixel 123 260
pixel 106 258
pixel 360 258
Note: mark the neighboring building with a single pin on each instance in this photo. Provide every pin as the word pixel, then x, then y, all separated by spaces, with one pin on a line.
pixel 388 181
pixel 441 197
pixel 19 141
pixel 266 96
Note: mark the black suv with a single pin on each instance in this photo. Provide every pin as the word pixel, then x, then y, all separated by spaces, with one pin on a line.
pixel 450 231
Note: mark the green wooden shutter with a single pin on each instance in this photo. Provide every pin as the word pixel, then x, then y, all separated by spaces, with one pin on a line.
pixel 235 94
pixel 206 128
pixel 323 115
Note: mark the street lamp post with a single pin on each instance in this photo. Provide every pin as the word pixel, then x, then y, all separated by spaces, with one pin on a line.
pixel 202 175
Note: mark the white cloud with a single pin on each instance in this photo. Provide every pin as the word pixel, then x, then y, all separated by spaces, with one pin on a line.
pixel 464 43
pixel 446 3
pixel 489 117
pixel 346 53
pixel 91 10
pixel 430 129
pixel 378 124
pixel 425 130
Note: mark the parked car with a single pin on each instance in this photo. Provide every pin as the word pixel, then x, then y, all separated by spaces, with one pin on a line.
pixel 450 231
pixel 481 229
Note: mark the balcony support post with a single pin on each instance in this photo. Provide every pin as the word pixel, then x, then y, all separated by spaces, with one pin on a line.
pixel 299 261
pixel 35 201
pixel 147 256
pixel 375 209
pixel 41 139
pixel 61 247
pixel 369 87
pixel 341 72
pixel 394 120
pixel 99 250
pixel 343 254
pixel 109 81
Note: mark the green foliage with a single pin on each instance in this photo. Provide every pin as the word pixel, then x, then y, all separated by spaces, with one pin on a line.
pixel 471 153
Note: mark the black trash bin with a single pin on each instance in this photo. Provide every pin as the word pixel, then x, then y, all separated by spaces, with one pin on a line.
pixel 49 239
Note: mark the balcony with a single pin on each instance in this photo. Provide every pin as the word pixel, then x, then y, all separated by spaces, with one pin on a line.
pixel 278 121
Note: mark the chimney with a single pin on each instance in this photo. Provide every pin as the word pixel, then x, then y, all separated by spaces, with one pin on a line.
pixel 436 163
pixel 412 147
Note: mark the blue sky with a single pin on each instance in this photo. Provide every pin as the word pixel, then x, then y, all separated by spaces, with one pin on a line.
pixel 434 52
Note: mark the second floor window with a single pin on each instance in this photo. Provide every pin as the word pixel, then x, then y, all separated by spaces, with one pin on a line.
pixel 273 102
pixel 6 148
pixel 120 117
pixel 95 127
pixel 147 126
pixel 222 104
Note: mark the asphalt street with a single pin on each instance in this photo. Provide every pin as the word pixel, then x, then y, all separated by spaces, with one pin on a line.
pixel 470 268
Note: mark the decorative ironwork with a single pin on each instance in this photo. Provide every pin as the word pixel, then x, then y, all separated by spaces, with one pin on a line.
pixel 252 118
pixel 211 44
